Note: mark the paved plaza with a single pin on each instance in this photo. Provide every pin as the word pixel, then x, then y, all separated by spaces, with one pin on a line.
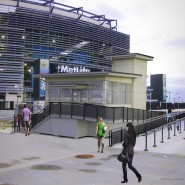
pixel 49 160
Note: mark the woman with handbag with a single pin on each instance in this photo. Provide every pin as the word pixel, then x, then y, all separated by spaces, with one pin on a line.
pixel 128 145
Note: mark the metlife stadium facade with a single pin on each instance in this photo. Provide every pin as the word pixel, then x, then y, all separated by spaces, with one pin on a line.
pixel 71 38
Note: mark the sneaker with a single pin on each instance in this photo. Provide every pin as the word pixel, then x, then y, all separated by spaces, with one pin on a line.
pixel 28 133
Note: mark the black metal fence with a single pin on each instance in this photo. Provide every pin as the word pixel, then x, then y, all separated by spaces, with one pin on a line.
pixel 90 112
pixel 142 127
pixel 178 126
pixel 164 105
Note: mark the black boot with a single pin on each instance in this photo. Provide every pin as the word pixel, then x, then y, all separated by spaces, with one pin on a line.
pixel 125 181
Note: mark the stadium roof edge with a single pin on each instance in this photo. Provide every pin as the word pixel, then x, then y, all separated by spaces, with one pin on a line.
pixel 52 5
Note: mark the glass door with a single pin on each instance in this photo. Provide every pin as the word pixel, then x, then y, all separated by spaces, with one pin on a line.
pixel 77 96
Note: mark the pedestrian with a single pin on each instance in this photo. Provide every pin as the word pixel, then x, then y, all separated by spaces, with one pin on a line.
pixel 129 141
pixel 26 114
pixel 169 118
pixel 101 128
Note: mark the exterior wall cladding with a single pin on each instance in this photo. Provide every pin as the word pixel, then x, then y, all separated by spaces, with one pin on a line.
pixel 28 33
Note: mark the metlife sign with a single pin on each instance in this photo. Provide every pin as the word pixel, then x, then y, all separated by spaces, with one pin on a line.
pixel 75 69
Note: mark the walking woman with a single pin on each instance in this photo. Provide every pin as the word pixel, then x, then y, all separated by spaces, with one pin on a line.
pixel 100 133
pixel 128 144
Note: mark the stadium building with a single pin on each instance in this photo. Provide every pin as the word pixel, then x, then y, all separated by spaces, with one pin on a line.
pixel 77 55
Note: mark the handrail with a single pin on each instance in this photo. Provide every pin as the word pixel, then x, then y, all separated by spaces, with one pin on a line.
pixel 42 109
pixel 7 118
pixel 91 111
pixel 153 119
pixel 161 128
pixel 141 127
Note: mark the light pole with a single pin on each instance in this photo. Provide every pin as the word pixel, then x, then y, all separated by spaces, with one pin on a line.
pixel 18 96
pixel 150 90
pixel 178 96
pixel 169 95
pixel 166 101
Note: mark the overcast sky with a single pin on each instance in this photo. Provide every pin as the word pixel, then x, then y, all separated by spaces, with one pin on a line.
pixel 156 28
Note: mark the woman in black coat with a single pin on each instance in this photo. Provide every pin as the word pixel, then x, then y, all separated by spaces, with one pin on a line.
pixel 128 144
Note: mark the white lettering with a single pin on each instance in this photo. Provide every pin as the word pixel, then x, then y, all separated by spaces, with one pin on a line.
pixel 76 69
pixel 64 69
pixel 71 70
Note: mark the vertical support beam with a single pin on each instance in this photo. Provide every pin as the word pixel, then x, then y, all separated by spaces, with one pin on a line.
pixel 127 114
pixel 110 137
pixel 174 129
pixel 113 114
pixel 71 110
pixel 180 127
pixel 146 140
pixel 123 114
pixel 121 134
pixel 162 135
pixel 84 112
pixel 154 138
pixel 60 104
pixel 168 131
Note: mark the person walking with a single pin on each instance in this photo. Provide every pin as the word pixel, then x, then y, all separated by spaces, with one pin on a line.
pixel 129 142
pixel 169 118
pixel 101 128
pixel 26 114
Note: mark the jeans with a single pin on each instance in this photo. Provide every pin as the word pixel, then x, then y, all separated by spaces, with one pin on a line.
pixel 124 166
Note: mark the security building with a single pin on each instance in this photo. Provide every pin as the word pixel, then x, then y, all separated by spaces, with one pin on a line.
pixel 124 85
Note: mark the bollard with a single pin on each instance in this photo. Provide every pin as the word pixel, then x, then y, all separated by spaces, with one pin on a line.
pixel 162 139
pixel 110 138
pixel 174 129
pixel 121 134
pixel 180 128
pixel 178 124
pixel 168 132
pixel 154 139
pixel 146 142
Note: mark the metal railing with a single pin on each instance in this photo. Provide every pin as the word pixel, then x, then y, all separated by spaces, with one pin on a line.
pixel 177 127
pixel 90 112
pixel 142 127
pixel 6 122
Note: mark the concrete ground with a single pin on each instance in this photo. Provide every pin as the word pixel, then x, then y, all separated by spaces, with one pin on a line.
pixel 49 160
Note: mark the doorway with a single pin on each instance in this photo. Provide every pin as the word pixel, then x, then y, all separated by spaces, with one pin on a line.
pixel 77 96
pixel 80 96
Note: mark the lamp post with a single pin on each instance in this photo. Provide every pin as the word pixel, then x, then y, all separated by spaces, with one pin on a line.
pixel 178 97
pixel 18 96
pixel 168 94
pixel 150 90
pixel 16 109
pixel 166 101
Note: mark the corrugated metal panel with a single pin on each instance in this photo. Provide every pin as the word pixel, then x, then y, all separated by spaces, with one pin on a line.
pixel 27 34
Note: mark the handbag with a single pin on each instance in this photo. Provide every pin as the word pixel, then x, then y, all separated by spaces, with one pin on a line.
pixel 123 156
pixel 104 127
